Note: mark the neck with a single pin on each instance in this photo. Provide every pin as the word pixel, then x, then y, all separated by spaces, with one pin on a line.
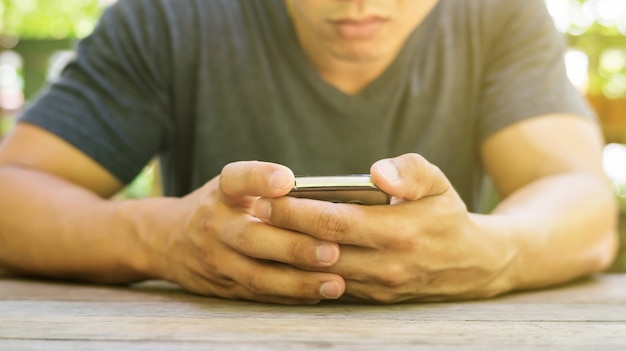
pixel 349 74
pixel 350 77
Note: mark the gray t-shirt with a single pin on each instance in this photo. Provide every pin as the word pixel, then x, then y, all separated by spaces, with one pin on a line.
pixel 202 83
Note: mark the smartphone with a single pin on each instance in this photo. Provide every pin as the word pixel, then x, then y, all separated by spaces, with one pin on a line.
pixel 353 189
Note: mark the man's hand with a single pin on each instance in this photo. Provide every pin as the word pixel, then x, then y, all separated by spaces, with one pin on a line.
pixel 425 246
pixel 219 248
pixel 54 196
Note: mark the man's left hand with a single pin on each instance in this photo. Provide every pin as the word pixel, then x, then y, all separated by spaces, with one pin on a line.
pixel 424 246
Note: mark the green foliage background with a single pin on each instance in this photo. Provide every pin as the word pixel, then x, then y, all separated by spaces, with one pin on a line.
pixel 37 19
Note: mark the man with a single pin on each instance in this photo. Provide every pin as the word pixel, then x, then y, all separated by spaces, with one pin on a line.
pixel 426 95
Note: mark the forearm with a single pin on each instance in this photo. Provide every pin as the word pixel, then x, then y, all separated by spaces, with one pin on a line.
pixel 52 228
pixel 562 227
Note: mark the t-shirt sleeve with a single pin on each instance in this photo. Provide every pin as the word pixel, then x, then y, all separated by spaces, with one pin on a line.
pixel 524 73
pixel 112 102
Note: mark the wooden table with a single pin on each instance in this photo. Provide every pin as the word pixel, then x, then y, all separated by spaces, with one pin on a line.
pixel 36 315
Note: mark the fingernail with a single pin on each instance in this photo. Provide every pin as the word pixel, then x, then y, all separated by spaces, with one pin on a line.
pixel 330 290
pixel 327 253
pixel 388 170
pixel 281 180
pixel 262 209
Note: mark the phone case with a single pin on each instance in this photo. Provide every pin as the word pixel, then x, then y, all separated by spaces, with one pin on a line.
pixel 354 189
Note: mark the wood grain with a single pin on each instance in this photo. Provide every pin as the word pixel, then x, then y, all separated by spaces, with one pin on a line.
pixel 159 316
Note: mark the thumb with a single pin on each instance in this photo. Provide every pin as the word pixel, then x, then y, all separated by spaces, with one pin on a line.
pixel 409 177
pixel 253 178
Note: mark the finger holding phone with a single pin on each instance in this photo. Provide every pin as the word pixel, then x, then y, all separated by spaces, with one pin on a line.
pixel 424 246
pixel 215 246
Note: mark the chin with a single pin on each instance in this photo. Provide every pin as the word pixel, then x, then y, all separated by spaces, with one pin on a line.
pixel 360 54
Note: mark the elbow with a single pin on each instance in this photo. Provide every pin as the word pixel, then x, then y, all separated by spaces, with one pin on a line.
pixel 608 244
pixel 608 251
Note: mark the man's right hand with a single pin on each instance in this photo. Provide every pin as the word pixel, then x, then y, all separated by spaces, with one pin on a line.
pixel 215 246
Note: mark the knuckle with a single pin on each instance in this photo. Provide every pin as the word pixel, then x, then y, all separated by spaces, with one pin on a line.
pixel 283 215
pixel 415 159
pixel 202 222
pixel 393 275
pixel 245 242
pixel 257 282
pixel 415 163
pixel 239 235
pixel 295 251
pixel 209 262
pixel 333 224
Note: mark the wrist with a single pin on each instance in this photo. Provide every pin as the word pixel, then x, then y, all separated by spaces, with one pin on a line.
pixel 501 252
pixel 147 222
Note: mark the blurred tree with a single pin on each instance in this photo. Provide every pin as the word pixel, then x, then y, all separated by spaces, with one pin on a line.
pixel 598 29
pixel 36 29
pixel 49 19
